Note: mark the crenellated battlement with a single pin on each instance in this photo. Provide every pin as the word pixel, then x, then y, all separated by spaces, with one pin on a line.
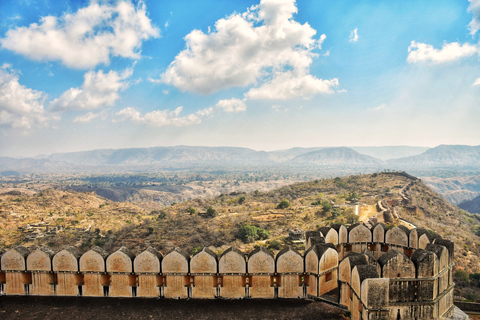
pixel 380 272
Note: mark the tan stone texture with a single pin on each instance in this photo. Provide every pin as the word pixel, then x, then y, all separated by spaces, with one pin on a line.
pixel 203 263
pixel 175 286
pixel 91 261
pixel 325 285
pixel 311 262
pixel 92 286
pixel 290 287
pixel 232 262
pixel 12 260
pixel 42 284
pixel 232 287
pixel 396 236
pixel 174 262
pixel 205 287
pixel 312 285
pixel 120 286
pixel 67 284
pixel 65 261
pixel 119 262
pixel 290 262
pixel 360 234
pixel 148 286
pixel 413 239
pixel 331 236
pixel 261 288
pixel 261 262
pixel 14 283
pixel 39 261
pixel 423 241
pixel 146 262
pixel 379 233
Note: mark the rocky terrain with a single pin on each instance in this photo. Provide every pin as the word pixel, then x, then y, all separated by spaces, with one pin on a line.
pixel 58 218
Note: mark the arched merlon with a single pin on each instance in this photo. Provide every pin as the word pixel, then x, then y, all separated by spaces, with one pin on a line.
pixel 120 261
pixel 66 260
pixel 93 260
pixel 261 260
pixel 233 261
pixel 358 233
pixel 149 261
pixel 205 261
pixel 176 261
pixel 15 259
pixel 289 260
pixel 40 260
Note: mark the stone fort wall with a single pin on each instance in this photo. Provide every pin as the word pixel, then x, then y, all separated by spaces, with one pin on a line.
pixel 381 272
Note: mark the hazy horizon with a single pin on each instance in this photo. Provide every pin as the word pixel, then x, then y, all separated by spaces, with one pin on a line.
pixel 265 75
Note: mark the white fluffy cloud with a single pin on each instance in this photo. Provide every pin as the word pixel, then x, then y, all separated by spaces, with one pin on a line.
pixel 231 105
pixel 244 49
pixel 86 38
pixel 477 82
pixel 88 117
pixel 474 8
pixel 287 86
pixel 354 35
pixel 161 118
pixel 20 107
pixel 98 90
pixel 421 52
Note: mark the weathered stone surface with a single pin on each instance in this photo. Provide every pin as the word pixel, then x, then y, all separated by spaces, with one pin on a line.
pixel 413 239
pixel 426 263
pixel 149 261
pixel 330 235
pixel 358 233
pixel 289 261
pixel 175 266
pixel 379 232
pixel 92 264
pixel 15 259
pixel 423 241
pixel 120 261
pixel 396 236
pixel 261 287
pixel 204 261
pixel 232 287
pixel 147 266
pixel 67 283
pixel 66 260
pixel 176 287
pixel 148 286
pixel 375 292
pixel 396 265
pixel 93 260
pixel 176 261
pixel 341 231
pixel 205 286
pixel 232 260
pixel 261 260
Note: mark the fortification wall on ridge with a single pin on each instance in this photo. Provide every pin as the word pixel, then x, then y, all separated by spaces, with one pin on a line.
pixel 381 272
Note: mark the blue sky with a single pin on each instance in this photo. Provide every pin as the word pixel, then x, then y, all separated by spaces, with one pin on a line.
pixel 272 74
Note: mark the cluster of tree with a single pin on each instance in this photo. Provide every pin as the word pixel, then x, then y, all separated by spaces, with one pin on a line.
pixel 283 204
pixel 248 233
pixel 210 213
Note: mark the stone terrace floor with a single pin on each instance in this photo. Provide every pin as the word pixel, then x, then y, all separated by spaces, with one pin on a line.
pixel 30 307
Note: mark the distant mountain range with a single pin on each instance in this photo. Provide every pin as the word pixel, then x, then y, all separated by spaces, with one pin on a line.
pixel 155 158
pixel 455 189
pixel 472 206
pixel 443 156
